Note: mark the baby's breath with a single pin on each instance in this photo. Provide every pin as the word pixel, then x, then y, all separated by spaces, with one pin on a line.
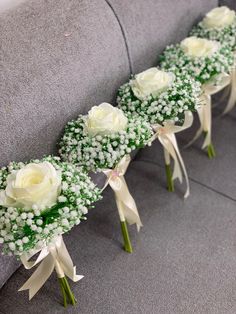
pixel 98 152
pixel 25 230
pixel 202 69
pixel 170 104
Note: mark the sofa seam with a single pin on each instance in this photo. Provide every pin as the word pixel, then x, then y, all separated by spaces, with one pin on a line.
pixel 191 179
pixel 123 35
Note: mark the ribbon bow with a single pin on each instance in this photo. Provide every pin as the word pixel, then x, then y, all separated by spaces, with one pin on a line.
pixel 166 135
pixel 125 203
pixel 52 256
pixel 232 96
pixel 204 108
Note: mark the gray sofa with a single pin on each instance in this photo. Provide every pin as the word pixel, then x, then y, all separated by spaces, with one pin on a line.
pixel 58 59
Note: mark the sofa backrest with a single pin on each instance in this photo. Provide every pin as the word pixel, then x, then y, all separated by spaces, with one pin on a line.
pixel 59 58
pixel 229 3
pixel 150 25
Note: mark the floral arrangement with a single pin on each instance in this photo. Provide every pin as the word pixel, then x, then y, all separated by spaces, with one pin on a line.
pixel 100 139
pixel 209 63
pixel 219 24
pixel 202 59
pixel 40 201
pixel 163 99
pixel 158 96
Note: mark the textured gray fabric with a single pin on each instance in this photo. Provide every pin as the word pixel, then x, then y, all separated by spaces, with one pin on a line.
pixel 150 25
pixel 9 4
pixel 184 259
pixel 8 264
pixel 58 59
pixel 229 3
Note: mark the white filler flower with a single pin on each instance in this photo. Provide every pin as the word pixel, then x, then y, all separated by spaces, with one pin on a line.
pixel 199 47
pixel 33 185
pixel 105 119
pixel 151 82
pixel 219 17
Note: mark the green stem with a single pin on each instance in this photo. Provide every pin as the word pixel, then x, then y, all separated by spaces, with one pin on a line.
pixel 66 292
pixel 63 291
pixel 210 149
pixel 125 233
pixel 170 183
pixel 70 294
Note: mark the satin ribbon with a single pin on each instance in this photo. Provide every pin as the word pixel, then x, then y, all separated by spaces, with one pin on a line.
pixel 125 203
pixel 54 256
pixel 166 135
pixel 232 92
pixel 204 108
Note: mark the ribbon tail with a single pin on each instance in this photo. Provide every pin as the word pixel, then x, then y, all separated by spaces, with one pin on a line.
pixel 204 114
pixel 40 276
pixel 126 204
pixel 175 145
pixel 169 149
pixel 129 215
pixel 65 261
pixel 166 156
pixel 200 130
pixel 232 97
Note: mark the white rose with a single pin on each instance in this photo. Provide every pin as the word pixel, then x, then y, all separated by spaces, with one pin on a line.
pixel 105 119
pixel 151 82
pixel 199 47
pixel 34 184
pixel 219 17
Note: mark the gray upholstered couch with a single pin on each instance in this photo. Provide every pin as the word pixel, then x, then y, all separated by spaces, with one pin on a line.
pixel 57 59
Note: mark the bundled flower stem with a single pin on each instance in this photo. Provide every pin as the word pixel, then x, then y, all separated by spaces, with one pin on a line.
pixel 170 183
pixel 127 243
pixel 210 149
pixel 68 296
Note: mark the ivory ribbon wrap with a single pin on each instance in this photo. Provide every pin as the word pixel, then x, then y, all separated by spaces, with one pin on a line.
pixel 166 136
pixel 232 92
pixel 52 256
pixel 125 203
pixel 204 109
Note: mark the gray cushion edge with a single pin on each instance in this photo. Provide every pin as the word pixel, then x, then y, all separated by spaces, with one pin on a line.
pixel 122 28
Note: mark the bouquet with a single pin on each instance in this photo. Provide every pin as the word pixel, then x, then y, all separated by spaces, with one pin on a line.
pixel 164 99
pixel 208 62
pixel 220 24
pixel 102 141
pixel 39 202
